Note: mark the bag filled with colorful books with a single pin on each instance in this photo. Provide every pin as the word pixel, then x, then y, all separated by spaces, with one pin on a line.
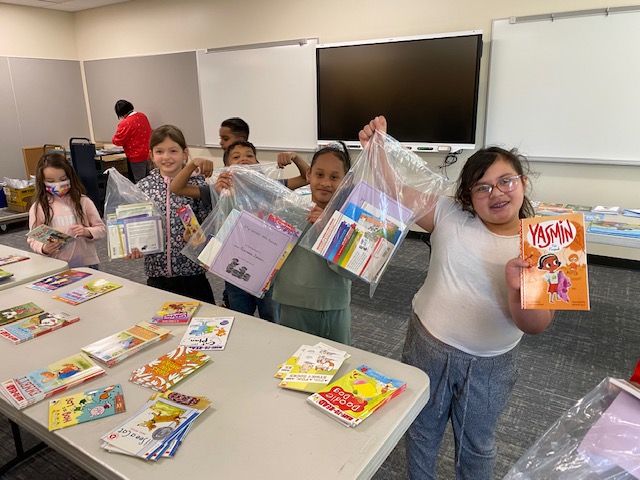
pixel 386 190
pixel 252 229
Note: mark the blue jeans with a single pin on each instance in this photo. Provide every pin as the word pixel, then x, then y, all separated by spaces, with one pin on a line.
pixel 244 302
pixel 469 391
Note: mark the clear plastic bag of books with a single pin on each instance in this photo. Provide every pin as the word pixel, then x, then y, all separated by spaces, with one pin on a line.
pixel 131 217
pixel 597 438
pixel 252 229
pixel 386 190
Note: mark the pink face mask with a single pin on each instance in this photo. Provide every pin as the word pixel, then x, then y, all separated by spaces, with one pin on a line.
pixel 59 189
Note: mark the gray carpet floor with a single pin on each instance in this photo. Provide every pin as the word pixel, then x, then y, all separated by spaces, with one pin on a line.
pixel 556 368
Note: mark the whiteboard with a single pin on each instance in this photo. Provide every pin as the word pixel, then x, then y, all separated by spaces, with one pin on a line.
pixel 568 89
pixel 271 87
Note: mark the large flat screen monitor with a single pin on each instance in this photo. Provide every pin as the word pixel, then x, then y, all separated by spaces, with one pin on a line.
pixel 426 87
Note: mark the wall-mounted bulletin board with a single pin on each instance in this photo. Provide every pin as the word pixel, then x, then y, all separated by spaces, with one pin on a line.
pixel 271 86
pixel 163 87
pixel 565 87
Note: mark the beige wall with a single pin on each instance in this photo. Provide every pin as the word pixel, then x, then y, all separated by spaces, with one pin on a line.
pixel 141 27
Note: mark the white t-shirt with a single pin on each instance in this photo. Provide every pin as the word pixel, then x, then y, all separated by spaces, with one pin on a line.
pixel 463 301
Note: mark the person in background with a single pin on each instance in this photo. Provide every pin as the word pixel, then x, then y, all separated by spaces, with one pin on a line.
pixel 61 203
pixel 170 270
pixel 467 320
pixel 232 130
pixel 238 153
pixel 133 135
pixel 315 294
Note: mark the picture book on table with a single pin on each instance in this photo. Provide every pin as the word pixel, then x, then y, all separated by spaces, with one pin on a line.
pixel 47 234
pixel 164 372
pixel 607 209
pixel 362 236
pixel 175 312
pixel 85 407
pixel 620 229
pixel 252 251
pixel 158 428
pixel 37 325
pixel 50 380
pixel 117 347
pixel 556 250
pixel 4 275
pixel 87 292
pixel 13 314
pixel 8 259
pixel 62 279
pixel 207 333
pixel 356 395
pixel 191 225
pixel 311 367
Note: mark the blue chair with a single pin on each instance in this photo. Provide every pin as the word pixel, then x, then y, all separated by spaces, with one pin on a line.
pixel 83 158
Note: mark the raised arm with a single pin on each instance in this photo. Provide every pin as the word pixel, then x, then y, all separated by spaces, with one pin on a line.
pixel 529 321
pixel 411 195
pixel 180 185
pixel 286 158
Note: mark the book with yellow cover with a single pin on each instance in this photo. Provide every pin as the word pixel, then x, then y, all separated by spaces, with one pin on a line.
pixel 353 397
pixel 84 407
pixel 555 248
pixel 311 367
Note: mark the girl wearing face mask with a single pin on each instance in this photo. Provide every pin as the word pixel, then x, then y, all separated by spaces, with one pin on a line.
pixel 60 202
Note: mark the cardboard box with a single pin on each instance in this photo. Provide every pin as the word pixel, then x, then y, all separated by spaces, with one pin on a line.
pixel 19 199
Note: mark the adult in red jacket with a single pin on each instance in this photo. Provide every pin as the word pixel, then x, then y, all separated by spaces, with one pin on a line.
pixel 133 135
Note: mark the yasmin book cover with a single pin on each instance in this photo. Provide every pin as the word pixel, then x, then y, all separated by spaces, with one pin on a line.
pixel 555 248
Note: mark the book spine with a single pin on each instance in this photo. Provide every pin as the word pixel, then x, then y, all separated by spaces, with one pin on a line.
pixel 337 240
pixel 327 234
pixel 343 244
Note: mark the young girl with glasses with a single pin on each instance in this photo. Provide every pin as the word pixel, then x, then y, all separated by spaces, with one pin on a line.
pixel 467 321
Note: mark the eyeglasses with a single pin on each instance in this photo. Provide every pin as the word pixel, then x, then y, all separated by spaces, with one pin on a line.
pixel 505 185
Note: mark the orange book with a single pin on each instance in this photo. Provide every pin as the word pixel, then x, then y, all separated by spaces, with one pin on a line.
pixel 555 247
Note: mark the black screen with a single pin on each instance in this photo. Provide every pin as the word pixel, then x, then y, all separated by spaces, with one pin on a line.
pixel 426 88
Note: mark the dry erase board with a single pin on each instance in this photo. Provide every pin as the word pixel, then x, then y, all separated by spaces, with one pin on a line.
pixel 41 101
pixel 163 87
pixel 566 89
pixel 271 86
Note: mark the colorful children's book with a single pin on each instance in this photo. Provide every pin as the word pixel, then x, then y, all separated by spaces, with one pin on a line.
pixel 8 259
pixel 355 396
pixel 62 279
pixel 47 234
pixel 87 292
pixel 164 372
pixel 207 333
pixel 362 236
pixel 191 225
pixel 175 312
pixel 311 367
pixel 85 407
pixel 157 429
pixel 4 275
pixel 37 325
pixel 19 312
pixel 556 250
pixel 117 347
pixel 631 230
pixel 606 209
pixel 46 382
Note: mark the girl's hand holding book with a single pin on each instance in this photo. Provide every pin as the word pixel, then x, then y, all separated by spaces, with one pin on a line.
pixel 51 247
pixel 134 255
pixel 512 272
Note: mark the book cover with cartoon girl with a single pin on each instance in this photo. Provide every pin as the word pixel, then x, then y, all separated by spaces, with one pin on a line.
pixel 85 407
pixel 555 248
